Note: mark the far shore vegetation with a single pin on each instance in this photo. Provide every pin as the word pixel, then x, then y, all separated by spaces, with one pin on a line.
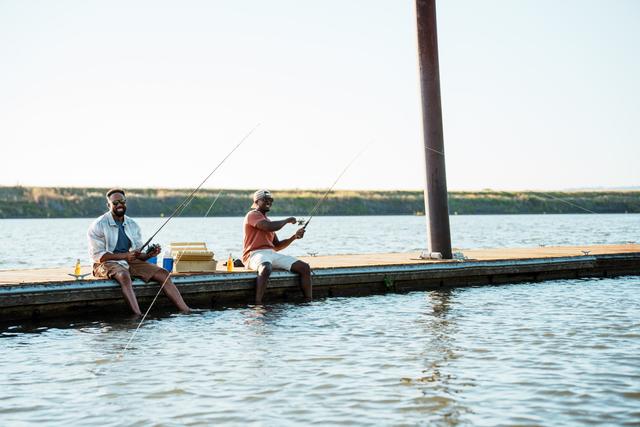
pixel 43 202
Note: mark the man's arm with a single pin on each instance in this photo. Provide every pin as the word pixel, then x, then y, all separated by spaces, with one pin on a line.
pixel 136 234
pixel 131 255
pixel 266 225
pixel 97 243
pixel 281 244
pixel 126 256
pixel 99 252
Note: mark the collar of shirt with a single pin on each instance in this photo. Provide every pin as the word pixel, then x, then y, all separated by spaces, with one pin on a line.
pixel 112 222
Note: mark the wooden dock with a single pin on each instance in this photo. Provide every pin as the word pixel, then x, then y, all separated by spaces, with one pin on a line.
pixel 52 292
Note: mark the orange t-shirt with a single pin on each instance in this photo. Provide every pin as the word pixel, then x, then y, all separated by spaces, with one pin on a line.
pixel 254 238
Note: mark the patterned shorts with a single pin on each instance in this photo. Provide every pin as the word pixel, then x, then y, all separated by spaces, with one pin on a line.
pixel 137 268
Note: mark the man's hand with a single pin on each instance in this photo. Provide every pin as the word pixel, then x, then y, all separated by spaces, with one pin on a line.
pixel 300 233
pixel 291 220
pixel 132 256
pixel 155 250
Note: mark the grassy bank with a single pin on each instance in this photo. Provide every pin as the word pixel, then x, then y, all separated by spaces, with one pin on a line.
pixel 41 202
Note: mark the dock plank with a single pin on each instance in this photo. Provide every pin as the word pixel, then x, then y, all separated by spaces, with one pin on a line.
pixel 51 292
pixel 49 275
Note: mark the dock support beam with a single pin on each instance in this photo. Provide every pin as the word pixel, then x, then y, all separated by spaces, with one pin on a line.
pixel 435 193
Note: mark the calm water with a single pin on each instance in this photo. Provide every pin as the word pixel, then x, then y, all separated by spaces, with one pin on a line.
pixel 552 353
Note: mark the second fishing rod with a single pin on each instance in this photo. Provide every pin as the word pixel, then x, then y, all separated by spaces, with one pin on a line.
pixel 326 194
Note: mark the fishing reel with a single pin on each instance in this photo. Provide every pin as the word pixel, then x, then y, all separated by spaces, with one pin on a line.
pixel 152 248
pixel 301 221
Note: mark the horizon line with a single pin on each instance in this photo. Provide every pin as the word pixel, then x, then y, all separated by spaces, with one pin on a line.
pixel 293 189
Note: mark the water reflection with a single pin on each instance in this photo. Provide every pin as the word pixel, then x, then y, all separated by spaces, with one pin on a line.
pixel 260 317
pixel 90 324
pixel 258 322
pixel 436 381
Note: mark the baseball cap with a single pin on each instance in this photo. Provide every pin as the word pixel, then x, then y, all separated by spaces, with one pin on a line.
pixel 259 195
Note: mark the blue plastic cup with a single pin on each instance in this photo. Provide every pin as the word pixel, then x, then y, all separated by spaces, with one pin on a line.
pixel 153 260
pixel 167 264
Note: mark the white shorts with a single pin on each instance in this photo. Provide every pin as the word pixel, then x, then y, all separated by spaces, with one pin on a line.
pixel 269 255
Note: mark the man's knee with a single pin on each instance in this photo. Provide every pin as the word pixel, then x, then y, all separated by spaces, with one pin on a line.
pixel 122 277
pixel 161 276
pixel 265 269
pixel 301 268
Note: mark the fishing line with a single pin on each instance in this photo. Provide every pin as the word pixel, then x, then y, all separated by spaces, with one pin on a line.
pixel 126 347
pixel 434 150
pixel 567 202
pixel 213 203
pixel 135 332
pixel 176 212
pixel 333 185
pixel 539 192
pixel 182 206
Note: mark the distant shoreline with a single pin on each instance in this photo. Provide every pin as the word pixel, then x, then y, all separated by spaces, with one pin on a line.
pixel 66 202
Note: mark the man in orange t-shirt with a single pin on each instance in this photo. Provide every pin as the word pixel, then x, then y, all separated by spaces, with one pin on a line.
pixel 261 245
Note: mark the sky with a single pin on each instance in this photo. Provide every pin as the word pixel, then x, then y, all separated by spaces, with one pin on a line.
pixel 536 94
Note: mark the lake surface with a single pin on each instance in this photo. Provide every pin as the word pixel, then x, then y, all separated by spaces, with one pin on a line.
pixel 38 243
pixel 553 353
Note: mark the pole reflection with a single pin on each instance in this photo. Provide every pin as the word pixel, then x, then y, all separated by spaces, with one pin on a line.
pixel 440 389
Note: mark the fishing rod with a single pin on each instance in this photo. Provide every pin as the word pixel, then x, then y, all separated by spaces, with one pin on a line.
pixel 177 211
pixel 331 188
pixel 182 206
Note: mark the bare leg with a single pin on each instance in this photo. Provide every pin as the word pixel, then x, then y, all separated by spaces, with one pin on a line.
pixel 264 272
pixel 303 269
pixel 170 290
pixel 124 279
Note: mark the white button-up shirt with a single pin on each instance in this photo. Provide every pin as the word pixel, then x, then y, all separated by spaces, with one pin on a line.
pixel 103 236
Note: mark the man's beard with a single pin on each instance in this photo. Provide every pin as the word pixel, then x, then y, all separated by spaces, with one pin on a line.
pixel 119 210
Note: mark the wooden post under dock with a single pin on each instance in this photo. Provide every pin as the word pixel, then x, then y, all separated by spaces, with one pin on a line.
pixel 46 293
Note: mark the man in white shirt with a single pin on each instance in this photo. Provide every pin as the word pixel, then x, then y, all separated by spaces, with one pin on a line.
pixel 114 246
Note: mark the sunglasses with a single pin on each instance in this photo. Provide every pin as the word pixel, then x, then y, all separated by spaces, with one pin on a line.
pixel 118 202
